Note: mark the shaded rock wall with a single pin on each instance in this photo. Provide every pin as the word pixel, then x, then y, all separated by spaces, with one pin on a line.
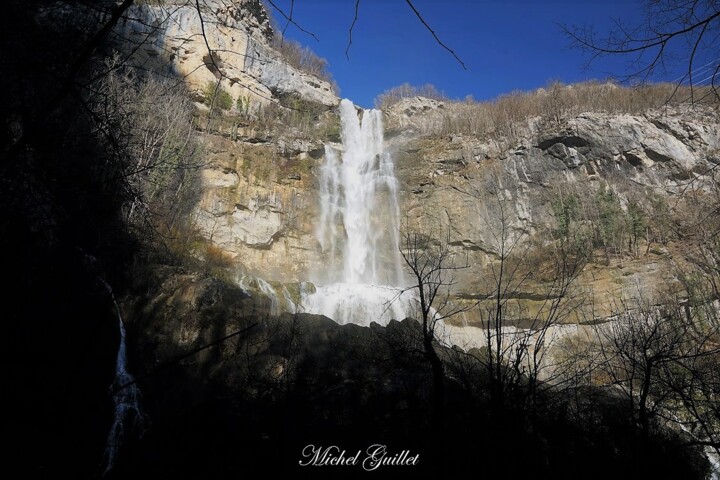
pixel 258 399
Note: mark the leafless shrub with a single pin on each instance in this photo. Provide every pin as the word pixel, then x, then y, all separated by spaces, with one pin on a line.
pixel 509 116
pixel 151 121
pixel 393 95
pixel 303 58
pixel 663 359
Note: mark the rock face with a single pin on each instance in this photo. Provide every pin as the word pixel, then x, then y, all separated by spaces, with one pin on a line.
pixel 413 112
pixel 464 185
pixel 260 196
pixel 261 200
pixel 171 40
pixel 259 206
pixel 657 151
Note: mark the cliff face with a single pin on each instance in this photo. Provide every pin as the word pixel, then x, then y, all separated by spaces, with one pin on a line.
pixel 261 200
pixel 259 203
pixel 465 185
pixel 257 199
pixel 175 39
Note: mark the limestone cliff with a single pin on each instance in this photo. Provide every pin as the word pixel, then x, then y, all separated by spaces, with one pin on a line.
pixel 260 201
pixel 259 205
pixel 454 181
pixel 175 39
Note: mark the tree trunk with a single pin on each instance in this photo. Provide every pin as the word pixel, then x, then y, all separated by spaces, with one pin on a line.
pixel 438 402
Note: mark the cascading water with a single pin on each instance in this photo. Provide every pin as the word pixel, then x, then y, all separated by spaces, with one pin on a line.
pixel 126 398
pixel 358 228
pixel 278 304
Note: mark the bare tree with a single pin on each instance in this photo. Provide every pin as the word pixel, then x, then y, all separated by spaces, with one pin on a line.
pixel 431 263
pixel 518 338
pixel 151 121
pixel 635 348
pixel 672 33
pixel 664 364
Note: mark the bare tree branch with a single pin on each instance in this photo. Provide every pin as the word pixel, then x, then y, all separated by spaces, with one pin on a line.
pixel 287 23
pixel 290 19
pixel 668 24
pixel 350 31
pixel 422 20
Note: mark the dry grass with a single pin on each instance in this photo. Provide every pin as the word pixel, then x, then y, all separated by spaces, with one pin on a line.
pixel 510 116
pixel 393 95
pixel 303 59
pixel 216 257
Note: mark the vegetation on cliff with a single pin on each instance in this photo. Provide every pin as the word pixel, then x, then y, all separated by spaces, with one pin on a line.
pixel 507 117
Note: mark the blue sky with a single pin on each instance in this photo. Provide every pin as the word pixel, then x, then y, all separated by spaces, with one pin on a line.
pixel 506 45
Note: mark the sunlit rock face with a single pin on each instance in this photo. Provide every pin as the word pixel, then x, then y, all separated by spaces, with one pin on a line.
pixel 293 208
pixel 463 184
pixel 282 213
pixel 171 40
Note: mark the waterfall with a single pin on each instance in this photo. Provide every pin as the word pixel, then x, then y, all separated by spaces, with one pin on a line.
pixel 126 398
pixel 279 303
pixel 710 453
pixel 358 229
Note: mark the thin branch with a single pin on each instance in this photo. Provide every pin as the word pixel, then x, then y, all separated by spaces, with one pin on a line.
pixel 350 31
pixel 287 24
pixel 422 20
pixel 82 59
pixel 290 20
pixel 661 39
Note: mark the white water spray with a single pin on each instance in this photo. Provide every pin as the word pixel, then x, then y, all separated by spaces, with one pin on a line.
pixel 358 228
pixel 280 298
pixel 126 398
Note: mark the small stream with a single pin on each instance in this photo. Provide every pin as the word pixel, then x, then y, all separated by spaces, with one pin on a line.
pixel 128 417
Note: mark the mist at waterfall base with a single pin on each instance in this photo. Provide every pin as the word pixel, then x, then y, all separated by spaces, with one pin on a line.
pixel 358 229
